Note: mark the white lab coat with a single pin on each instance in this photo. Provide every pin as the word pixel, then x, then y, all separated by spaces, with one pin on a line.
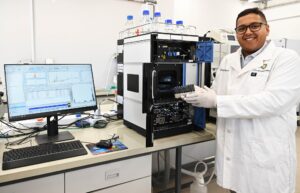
pixel 256 109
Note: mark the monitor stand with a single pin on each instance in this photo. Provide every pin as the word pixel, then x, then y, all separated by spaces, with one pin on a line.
pixel 52 132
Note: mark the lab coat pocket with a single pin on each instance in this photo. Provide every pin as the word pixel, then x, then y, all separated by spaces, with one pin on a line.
pixel 257 80
pixel 268 152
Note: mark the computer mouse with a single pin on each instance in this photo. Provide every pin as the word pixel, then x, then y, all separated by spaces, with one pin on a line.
pixel 100 124
pixel 104 144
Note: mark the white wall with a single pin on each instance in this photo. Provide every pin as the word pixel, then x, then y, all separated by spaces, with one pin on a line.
pixel 15 32
pixel 80 31
pixel 67 31
pixel 284 21
pixel 207 15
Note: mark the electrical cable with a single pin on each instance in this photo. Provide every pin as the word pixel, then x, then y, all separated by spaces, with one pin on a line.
pixel 196 174
pixel 20 131
pixel 64 126
pixel 104 100
pixel 205 170
pixel 12 126
pixel 114 101
pixel 62 117
pixel 114 137
pixel 110 117
pixel 206 34
pixel 28 132
pixel 22 140
pixel 3 134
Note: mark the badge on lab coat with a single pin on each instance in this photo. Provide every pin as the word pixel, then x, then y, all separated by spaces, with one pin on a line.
pixel 265 64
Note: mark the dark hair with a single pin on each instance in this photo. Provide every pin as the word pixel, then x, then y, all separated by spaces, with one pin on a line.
pixel 254 10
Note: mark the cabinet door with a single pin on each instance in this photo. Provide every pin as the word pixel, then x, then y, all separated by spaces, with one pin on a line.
pixel 49 184
pixel 108 175
pixel 138 186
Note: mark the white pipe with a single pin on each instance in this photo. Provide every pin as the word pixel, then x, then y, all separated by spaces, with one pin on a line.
pixel 33 41
pixel 284 18
pixel 280 4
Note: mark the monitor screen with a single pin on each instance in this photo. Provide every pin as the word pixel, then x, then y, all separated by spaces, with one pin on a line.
pixel 43 90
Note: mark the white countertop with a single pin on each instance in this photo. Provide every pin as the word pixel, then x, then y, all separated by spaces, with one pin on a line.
pixel 134 142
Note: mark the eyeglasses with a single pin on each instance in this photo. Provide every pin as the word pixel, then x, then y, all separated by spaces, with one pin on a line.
pixel 253 27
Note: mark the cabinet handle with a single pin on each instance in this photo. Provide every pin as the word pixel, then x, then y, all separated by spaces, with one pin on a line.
pixel 153 84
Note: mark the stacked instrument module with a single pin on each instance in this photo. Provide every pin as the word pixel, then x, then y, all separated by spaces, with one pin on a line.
pixel 154 64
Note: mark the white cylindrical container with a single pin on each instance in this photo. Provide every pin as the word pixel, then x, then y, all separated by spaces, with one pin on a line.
pixel 169 26
pixel 191 30
pixel 146 21
pixel 157 22
pixel 129 26
pixel 180 27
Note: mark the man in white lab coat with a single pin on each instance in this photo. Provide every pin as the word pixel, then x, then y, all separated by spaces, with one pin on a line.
pixel 256 92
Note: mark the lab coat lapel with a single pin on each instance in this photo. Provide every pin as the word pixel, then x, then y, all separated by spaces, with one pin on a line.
pixel 262 60
pixel 236 63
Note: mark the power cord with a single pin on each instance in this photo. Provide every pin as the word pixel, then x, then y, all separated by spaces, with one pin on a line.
pixel 19 131
pixel 64 126
pixel 199 185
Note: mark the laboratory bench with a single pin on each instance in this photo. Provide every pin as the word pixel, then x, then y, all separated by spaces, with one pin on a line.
pixel 125 170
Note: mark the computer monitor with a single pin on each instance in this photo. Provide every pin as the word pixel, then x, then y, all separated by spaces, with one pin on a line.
pixel 49 90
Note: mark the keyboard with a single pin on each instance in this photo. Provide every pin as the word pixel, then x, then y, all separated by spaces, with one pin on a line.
pixel 41 153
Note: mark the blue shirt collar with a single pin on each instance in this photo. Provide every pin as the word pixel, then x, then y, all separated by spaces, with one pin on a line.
pixel 249 58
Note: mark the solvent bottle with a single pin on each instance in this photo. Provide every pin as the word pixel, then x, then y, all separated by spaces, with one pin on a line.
pixel 169 26
pixel 157 22
pixel 129 26
pixel 146 21
pixel 180 27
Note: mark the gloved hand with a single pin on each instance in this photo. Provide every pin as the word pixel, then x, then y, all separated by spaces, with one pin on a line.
pixel 202 97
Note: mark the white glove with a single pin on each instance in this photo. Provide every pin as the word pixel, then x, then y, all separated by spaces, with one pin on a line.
pixel 206 97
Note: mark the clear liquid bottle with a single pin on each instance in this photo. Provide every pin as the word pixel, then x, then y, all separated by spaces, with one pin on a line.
pixel 157 21
pixel 169 26
pixel 146 21
pixel 129 26
pixel 180 29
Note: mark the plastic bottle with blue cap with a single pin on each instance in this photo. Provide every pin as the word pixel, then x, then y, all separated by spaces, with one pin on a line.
pixel 180 29
pixel 169 26
pixel 157 22
pixel 129 26
pixel 146 21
